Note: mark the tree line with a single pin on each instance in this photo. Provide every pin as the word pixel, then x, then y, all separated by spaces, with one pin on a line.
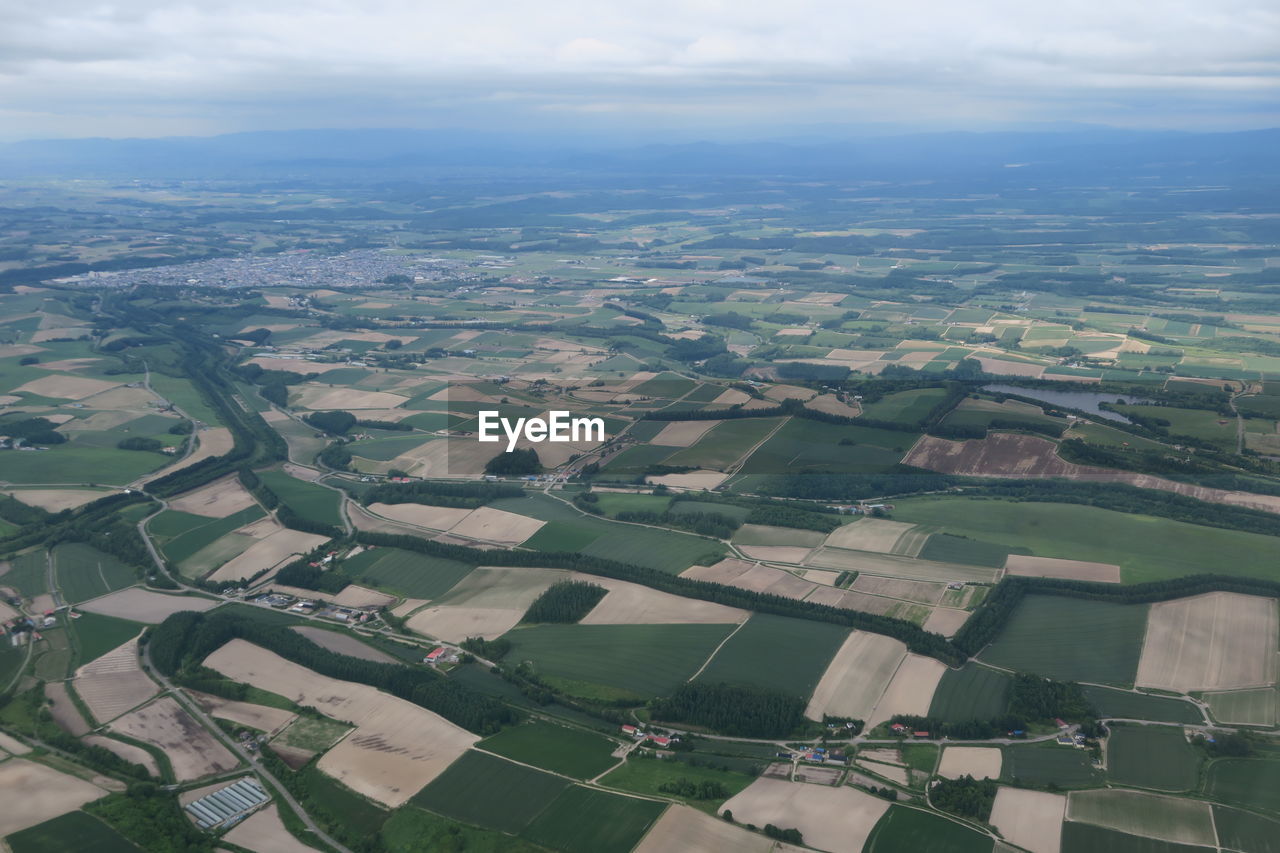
pixel 564 601
pixel 733 709
pixel 459 495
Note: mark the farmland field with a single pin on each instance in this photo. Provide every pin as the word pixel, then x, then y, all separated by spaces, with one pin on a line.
pixel 582 820
pixel 645 660
pixel 1085 838
pixel 1049 763
pixel 72 831
pixel 27 573
pixel 193 533
pixel 489 791
pixel 647 775
pixel 1141 706
pixel 903 829
pixel 355 813
pixel 83 572
pixel 666 550
pixel 406 572
pixel 1244 831
pixel 413 830
pixel 776 651
pixel 1148 815
pixel 724 443
pixel 1251 783
pixel 312 502
pixel 906 407
pixel 1072 639
pixel 1156 757
pixel 1244 707
pixel 97 634
pixel 971 693
pixel 948 548
pixel 560 749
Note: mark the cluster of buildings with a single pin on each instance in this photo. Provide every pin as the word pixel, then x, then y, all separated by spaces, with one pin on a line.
pixel 315 607
pixel 639 734
pixel 228 806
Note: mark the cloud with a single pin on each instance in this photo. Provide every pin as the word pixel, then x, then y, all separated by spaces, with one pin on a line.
pixel 235 63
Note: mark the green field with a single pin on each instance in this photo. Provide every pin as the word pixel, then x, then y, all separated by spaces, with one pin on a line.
pixel 804 445
pixel 412 830
pixel 1246 832
pixel 1072 639
pixel 560 749
pixel 28 573
pixel 356 814
pixel 1157 757
pixel 95 635
pixel 1197 423
pixel 906 407
pixel 764 534
pixel 53 656
pixel 665 550
pixel 612 503
pixel 194 532
pixel 72 831
pixel 642 660
pixel 1145 547
pixel 312 502
pixel 1244 707
pixel 647 775
pixel 905 829
pixel 1142 706
pixel 776 651
pixel 406 572
pixel 582 820
pixel 485 790
pixel 83 572
pixel 1050 764
pixel 1086 838
pixel 971 693
pixel 315 734
pixel 724 443
pixel 69 463
pixel 946 548
pixel 1252 783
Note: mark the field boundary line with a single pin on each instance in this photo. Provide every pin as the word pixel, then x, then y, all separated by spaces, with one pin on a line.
pixel 717 649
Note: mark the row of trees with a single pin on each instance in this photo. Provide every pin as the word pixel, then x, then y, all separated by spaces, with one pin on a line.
pixel 565 601
pixel 461 495
pixel 737 710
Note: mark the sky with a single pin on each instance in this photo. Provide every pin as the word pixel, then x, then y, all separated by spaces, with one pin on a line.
pixel 655 69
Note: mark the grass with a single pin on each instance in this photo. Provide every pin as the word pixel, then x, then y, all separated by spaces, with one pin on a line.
pixel 488 791
pixel 724 443
pixel 647 775
pixel 67 463
pixel 812 446
pixel 28 573
pixel 83 572
pixel 412 830
pixel 1157 757
pixel 1050 764
pixel 312 502
pixel 1252 783
pixel 72 831
pixel 54 655
pixel 776 651
pixel 582 820
pixel 971 693
pixel 645 660
pixel 560 749
pixel 1086 838
pixel 182 394
pixel 903 828
pixel 95 635
pixel 1142 706
pixel 1239 830
pixel 921 756
pixel 665 550
pixel 946 548
pixel 193 537
pixel 763 534
pixel 1145 547
pixel 315 734
pixel 906 407
pixel 1072 639
pixel 1244 707
pixel 357 815
pixel 612 503
pixel 410 574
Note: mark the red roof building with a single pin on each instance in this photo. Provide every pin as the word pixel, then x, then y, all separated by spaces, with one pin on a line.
pixel 435 654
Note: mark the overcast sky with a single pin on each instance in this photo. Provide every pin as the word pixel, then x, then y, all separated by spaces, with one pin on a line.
pixel 685 67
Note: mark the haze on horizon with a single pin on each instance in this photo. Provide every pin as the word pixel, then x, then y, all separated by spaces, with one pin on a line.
pixel 660 69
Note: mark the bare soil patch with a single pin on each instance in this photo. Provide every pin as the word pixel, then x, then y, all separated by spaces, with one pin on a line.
pixel 1030 819
pixel 215 441
pixel 946 621
pixel 127 751
pixel 396 748
pixel 56 500
pixel 1216 641
pixel 776 553
pixel 980 762
pixel 1174 819
pixel 264 832
pixel 833 819
pixel 693 480
pixel 869 534
pixel 857 676
pixel 924 592
pixel 64 711
pixel 633 604
pixel 911 689
pixel 320 397
pixel 1052 567
pixel 216 500
pixel 143 605
pixel 486 603
pixel 894 565
pixel 33 793
pixel 12 745
pixel 419 515
pixel 267 553
pixel 264 718
pixel 683 829
pixel 495 525
pixel 360 596
pixel 114 683
pixel 682 433
pixel 191 749
pixel 65 387
pixel 343 644
pixel 831 404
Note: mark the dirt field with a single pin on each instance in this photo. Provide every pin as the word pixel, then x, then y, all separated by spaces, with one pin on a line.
pixel 830 404
pixel 420 515
pixel 751 576
pixel 495 525
pixel 359 596
pixel 894 565
pixel 486 603
pixel 1000 367
pixel 977 761
pixel 12 745
pixel 921 591
pixel 1149 815
pixel 911 689
pixel 66 387
pixel 192 751
pixel 33 793
pixel 407 606
pixel 213 442
pixel 343 644
pixel 216 500
pixel 833 819
pixel 114 683
pixel 1052 567
pixel 682 433
pixel 1020 456
pixel 264 832
pixel 884 756
pixel 271 551
pixel 694 480
pixel 776 553
pixel 870 534
pixel 397 747
pixel 857 676
pixel 683 829
pixel 1030 819
pixel 318 397
pixel 1217 641
pixel 633 604
pixel 127 751
pixel 264 718
pixel 56 500
pixel 946 621
pixel 143 605
pixel 64 711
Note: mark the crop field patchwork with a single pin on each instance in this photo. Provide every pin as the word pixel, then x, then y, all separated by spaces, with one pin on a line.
pixel 1216 641
pixel 1049 763
pixel 1142 706
pixel 312 502
pixel 485 790
pixel 407 572
pixel 1086 838
pixel 857 677
pixel 724 444
pixel 83 572
pixel 1148 815
pixel 778 652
